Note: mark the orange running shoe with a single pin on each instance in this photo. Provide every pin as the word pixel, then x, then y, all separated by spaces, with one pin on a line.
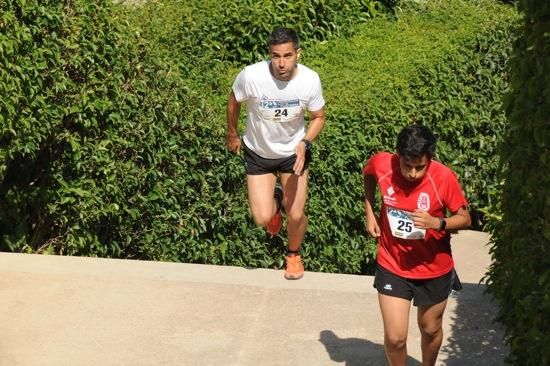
pixel 274 226
pixel 294 267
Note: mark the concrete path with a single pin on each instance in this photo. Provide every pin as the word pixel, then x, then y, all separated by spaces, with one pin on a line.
pixel 87 311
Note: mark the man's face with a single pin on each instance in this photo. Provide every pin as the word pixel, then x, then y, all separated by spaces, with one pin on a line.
pixel 413 169
pixel 283 60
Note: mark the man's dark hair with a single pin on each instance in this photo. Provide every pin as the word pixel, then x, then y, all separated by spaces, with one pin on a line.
pixel 283 35
pixel 414 141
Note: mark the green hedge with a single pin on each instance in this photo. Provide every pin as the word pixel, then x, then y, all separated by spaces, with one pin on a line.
pixel 87 131
pixel 108 146
pixel 519 277
pixel 117 149
pixel 440 64
pixel 237 30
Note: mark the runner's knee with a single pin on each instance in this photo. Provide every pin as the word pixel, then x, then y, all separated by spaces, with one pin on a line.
pixel 296 216
pixel 395 341
pixel 262 218
pixel 430 330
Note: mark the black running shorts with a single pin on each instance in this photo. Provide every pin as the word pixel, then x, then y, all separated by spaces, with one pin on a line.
pixel 425 292
pixel 256 165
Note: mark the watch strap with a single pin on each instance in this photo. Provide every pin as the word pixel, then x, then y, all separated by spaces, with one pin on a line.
pixel 442 224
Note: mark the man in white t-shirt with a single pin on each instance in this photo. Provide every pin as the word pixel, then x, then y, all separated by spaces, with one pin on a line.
pixel 276 142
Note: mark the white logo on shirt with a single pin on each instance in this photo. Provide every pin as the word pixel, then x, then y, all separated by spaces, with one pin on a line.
pixel 266 103
pixel 388 199
pixel 423 202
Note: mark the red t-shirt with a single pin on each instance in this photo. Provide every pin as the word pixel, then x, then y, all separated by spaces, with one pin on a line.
pixel 438 190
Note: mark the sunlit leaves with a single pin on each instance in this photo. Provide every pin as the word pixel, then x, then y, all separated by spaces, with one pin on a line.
pixel 519 277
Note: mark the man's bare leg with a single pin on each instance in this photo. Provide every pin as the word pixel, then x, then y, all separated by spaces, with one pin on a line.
pixel 395 314
pixel 430 323
pixel 260 197
pixel 295 197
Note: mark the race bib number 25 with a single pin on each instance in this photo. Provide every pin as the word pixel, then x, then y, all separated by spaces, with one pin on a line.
pixel 402 225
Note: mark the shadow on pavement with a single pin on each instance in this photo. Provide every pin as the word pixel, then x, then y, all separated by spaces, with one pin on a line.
pixel 355 351
pixel 476 339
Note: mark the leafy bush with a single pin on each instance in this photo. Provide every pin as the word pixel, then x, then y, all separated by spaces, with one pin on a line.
pixel 238 30
pixel 87 158
pixel 519 277
pixel 112 137
pixel 442 65
pixel 64 77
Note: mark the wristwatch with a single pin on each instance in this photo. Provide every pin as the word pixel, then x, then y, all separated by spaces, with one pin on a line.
pixel 307 143
pixel 442 224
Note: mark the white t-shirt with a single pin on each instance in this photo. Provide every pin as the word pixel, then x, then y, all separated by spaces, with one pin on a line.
pixel 275 108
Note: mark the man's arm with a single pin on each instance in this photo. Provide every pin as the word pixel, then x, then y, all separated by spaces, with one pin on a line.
pixel 371 222
pixel 232 139
pixel 316 124
pixel 459 220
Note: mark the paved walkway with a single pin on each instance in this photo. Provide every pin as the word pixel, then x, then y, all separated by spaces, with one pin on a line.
pixel 88 311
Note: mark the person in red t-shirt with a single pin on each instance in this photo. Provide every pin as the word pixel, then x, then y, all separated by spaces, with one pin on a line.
pixel 414 260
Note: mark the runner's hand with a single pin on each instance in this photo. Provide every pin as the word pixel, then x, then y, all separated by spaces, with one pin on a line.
pixel 233 143
pixel 424 220
pixel 372 228
pixel 300 151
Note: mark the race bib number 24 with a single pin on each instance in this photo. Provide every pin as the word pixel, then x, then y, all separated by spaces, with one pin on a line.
pixel 280 110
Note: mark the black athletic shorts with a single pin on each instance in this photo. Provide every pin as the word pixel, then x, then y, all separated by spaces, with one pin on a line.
pixel 423 292
pixel 256 165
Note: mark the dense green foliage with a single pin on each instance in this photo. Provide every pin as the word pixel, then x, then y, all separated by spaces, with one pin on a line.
pixel 423 68
pixel 108 145
pixel 238 30
pixel 87 133
pixel 520 274
pixel 112 137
